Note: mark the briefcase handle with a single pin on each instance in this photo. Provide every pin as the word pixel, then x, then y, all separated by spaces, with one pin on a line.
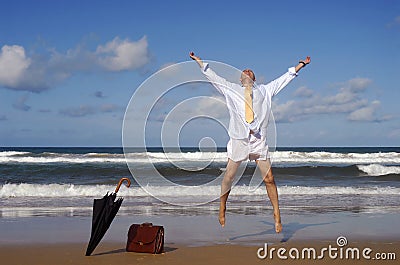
pixel 120 183
pixel 146 224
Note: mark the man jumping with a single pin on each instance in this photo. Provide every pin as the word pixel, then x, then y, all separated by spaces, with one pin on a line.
pixel 249 106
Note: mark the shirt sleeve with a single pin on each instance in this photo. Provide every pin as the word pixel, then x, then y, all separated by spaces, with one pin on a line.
pixel 221 84
pixel 278 84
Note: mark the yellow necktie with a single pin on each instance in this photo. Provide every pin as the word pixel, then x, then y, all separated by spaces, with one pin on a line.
pixel 249 114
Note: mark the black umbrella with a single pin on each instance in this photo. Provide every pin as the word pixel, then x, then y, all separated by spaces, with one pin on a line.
pixel 104 211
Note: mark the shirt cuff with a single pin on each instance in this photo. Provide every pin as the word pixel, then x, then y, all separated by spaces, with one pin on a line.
pixel 205 67
pixel 292 71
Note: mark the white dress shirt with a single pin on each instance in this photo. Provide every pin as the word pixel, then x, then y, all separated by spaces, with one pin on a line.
pixel 262 100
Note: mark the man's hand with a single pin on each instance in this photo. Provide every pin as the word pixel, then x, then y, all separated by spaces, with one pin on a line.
pixel 196 58
pixel 303 63
pixel 307 60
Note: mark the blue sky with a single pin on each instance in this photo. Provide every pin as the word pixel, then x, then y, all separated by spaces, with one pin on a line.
pixel 69 68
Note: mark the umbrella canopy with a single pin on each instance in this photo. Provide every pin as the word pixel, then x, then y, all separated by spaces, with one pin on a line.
pixel 104 211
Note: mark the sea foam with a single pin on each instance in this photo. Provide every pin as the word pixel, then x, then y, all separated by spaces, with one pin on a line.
pixel 280 158
pixel 70 190
pixel 379 170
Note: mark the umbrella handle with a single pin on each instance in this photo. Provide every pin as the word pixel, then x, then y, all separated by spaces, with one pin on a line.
pixel 120 183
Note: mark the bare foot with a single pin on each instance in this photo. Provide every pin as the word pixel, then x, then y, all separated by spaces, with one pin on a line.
pixel 278 224
pixel 221 216
pixel 278 227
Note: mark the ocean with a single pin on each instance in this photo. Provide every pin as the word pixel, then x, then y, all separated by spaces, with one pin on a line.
pixel 38 181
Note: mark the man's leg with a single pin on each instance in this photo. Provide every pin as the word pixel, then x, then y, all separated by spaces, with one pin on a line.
pixel 268 178
pixel 226 185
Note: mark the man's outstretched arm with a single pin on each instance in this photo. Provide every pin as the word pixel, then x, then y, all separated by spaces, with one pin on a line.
pixel 197 59
pixel 302 64
pixel 278 84
pixel 220 83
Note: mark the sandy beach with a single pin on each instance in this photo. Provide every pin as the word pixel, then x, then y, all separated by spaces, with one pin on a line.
pixel 199 240
pixel 112 253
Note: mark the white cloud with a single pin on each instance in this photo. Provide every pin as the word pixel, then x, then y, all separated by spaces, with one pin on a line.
pixel 303 92
pixel 365 113
pixel 368 113
pixel 349 91
pixel 193 107
pixel 42 71
pixel 344 96
pixel 348 100
pixel 13 65
pixel 63 65
pixel 286 112
pixel 118 55
pixel 215 106
pixel 358 84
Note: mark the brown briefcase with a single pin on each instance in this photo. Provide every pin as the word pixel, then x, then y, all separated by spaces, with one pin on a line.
pixel 145 238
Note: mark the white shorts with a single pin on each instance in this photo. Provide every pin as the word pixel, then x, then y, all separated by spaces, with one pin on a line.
pixel 254 147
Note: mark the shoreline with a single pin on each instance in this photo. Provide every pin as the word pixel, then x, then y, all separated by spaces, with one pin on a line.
pixel 204 230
